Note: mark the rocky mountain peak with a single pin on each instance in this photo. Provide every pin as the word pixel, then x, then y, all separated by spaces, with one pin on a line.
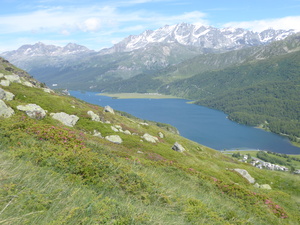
pixel 201 36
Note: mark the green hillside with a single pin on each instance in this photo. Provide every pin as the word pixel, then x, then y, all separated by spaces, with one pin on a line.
pixel 52 173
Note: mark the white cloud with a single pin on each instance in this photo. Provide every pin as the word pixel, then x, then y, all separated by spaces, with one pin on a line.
pixel 291 22
pixel 91 24
pixel 65 21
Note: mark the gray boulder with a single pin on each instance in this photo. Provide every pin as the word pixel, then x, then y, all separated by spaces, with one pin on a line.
pixel 27 83
pixel 161 135
pixel 127 132
pixel 109 109
pixel 114 129
pixel 5 111
pixel 114 139
pixel 4 83
pixel 5 95
pixel 97 134
pixel 33 111
pixel 178 147
pixel 150 138
pixel 265 186
pixel 66 119
pixel 256 185
pixel 94 116
pixel 144 124
pixel 246 175
pixel 48 90
pixel 13 78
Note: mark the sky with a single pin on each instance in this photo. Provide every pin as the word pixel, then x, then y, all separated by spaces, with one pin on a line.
pixel 99 24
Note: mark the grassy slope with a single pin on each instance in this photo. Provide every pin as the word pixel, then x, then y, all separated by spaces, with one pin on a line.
pixel 52 174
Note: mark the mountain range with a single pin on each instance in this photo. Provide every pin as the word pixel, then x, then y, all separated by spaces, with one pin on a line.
pixel 145 53
pixel 206 38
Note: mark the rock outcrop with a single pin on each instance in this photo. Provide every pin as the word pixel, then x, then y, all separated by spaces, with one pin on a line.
pixel 66 119
pixel 33 111
pixel 150 138
pixel 246 175
pixel 109 109
pixel 178 147
pixel 5 111
pixel 5 95
pixel 114 139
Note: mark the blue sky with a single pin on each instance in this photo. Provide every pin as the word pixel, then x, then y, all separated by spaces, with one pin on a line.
pixel 98 24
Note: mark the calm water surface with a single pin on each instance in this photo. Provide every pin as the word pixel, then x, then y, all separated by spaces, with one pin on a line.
pixel 203 125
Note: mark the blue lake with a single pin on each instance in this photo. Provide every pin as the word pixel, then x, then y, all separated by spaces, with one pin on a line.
pixel 203 125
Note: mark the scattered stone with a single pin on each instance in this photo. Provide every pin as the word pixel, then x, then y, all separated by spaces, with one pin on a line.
pixel 94 116
pixel 150 138
pixel 265 186
pixel 161 135
pixel 28 84
pixel 178 147
pixel 139 152
pixel 256 185
pixel 118 127
pixel 109 109
pixel 114 139
pixel 127 132
pixel 5 95
pixel 144 124
pixel 114 129
pixel 65 92
pixel 47 90
pixel 66 119
pixel 97 134
pixel 13 78
pixel 5 111
pixel 33 111
pixel 1 75
pixel 246 175
pixel 4 83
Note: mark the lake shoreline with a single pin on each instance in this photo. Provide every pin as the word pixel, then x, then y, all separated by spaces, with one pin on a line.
pixel 209 127
pixel 139 96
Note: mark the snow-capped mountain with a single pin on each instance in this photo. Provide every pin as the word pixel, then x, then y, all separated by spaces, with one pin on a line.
pixel 41 49
pixel 147 53
pixel 205 37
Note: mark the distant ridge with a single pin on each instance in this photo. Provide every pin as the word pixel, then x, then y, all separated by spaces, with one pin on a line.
pixel 205 37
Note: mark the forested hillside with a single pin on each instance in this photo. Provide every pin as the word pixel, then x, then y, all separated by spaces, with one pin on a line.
pixel 264 92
